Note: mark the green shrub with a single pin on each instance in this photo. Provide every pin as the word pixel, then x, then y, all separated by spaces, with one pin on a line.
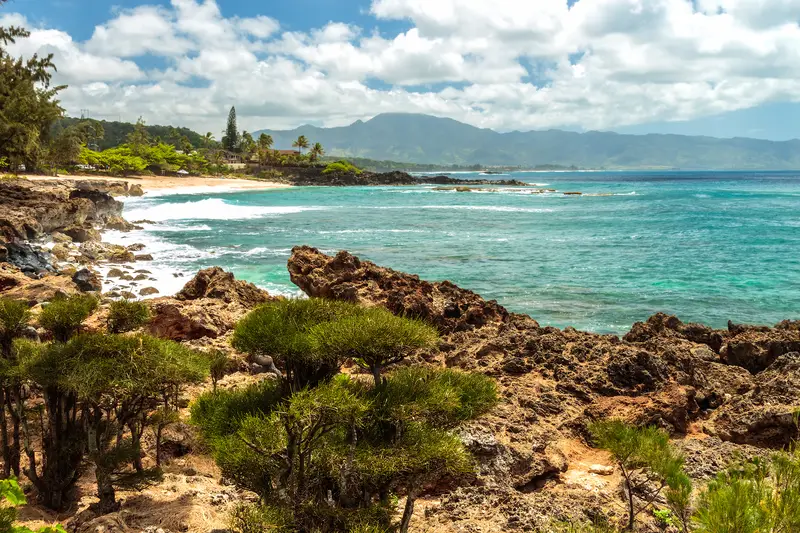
pixel 374 338
pixel 63 316
pixel 220 414
pixel 761 496
pixel 248 518
pixel 126 315
pixel 12 495
pixel 218 361
pixel 343 167
pixel 281 330
pixel 14 316
pixel 645 457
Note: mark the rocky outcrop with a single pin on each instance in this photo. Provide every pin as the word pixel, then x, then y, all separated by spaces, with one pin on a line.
pixel 313 176
pixel 346 277
pixel 209 305
pixel 737 386
pixel 15 285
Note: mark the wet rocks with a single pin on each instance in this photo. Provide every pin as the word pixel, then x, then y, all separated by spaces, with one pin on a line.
pixel 148 291
pixel 87 281
pixel 143 257
pixel 82 234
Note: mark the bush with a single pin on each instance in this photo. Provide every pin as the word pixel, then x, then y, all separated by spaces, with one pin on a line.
pixel 645 457
pixel 343 167
pixel 248 518
pixel 761 496
pixel 374 338
pixel 63 316
pixel 12 495
pixel 218 362
pixel 126 315
pixel 281 330
pixel 14 316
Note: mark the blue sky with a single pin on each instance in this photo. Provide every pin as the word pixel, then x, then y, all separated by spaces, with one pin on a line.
pixel 706 67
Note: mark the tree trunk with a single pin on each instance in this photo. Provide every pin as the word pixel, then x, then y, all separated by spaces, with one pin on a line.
pixel 376 375
pixel 408 511
pixel 631 514
pixel 105 492
pixel 4 435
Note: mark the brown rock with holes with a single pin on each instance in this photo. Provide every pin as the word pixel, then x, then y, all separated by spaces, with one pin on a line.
pixel 209 305
pixel 346 277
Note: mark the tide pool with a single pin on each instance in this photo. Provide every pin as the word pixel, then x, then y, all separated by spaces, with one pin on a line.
pixel 706 246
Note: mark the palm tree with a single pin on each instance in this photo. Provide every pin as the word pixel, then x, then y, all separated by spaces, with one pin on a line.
pixel 316 151
pixel 208 139
pixel 264 148
pixel 265 141
pixel 300 143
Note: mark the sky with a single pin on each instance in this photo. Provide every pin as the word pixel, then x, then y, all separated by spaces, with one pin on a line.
pixel 723 68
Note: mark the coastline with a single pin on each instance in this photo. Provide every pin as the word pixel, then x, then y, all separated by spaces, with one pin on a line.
pixel 171 184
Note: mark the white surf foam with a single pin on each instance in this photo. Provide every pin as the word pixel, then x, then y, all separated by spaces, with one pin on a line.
pixel 210 209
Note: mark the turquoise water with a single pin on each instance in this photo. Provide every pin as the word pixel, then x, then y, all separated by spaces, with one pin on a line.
pixel 708 247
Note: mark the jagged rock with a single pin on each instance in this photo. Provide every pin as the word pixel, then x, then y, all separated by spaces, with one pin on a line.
pixel 87 281
pixel 82 234
pixel 28 259
pixel 17 286
pixel 100 251
pixel 217 284
pixel 209 305
pixel 757 349
pixel 3 254
pixel 118 223
pixel 60 252
pixel 345 277
pixel 764 415
pixel 138 247
pixel 148 291
pixel 59 237
pixel 662 325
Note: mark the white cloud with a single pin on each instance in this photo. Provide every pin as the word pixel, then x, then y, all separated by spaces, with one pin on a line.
pixel 506 64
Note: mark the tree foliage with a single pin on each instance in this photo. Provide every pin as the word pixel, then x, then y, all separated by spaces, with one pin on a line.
pixel 231 139
pixel 373 338
pixel 761 496
pixel 64 315
pixel 649 465
pixel 11 494
pixel 327 452
pixel 28 104
pixel 341 167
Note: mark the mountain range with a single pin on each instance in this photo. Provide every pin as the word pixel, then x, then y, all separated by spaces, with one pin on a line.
pixel 417 138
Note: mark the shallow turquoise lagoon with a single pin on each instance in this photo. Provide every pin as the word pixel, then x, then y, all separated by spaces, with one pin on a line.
pixel 707 246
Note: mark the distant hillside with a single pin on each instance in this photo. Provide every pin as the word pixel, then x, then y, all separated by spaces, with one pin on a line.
pixel 431 140
pixel 117 132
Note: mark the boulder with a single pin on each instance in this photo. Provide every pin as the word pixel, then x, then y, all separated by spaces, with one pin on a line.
pixel 209 305
pixel 220 285
pixel 14 284
pixel 34 261
pixel 60 252
pixel 148 291
pixel 142 257
pixel 100 251
pixel 87 281
pixel 59 237
pixel 82 234
pixel 765 415
pixel 138 247
pixel 116 222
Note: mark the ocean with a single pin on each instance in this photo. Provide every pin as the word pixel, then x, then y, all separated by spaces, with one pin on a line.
pixel 706 246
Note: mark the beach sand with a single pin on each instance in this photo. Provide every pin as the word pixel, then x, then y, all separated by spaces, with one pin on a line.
pixel 167 183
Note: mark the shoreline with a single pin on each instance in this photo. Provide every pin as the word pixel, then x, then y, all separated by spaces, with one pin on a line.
pixel 170 184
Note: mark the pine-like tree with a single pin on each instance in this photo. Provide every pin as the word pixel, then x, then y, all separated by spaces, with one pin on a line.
pixel 231 139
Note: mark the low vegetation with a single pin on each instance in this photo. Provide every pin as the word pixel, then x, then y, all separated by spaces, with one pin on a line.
pixel 330 452
pixel 127 315
pixel 341 167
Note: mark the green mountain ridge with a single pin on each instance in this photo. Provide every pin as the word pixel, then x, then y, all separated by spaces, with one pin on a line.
pixel 432 140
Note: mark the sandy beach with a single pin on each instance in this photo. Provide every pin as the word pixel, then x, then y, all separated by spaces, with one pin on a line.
pixel 167 183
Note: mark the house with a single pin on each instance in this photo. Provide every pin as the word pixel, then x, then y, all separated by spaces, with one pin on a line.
pixel 286 152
